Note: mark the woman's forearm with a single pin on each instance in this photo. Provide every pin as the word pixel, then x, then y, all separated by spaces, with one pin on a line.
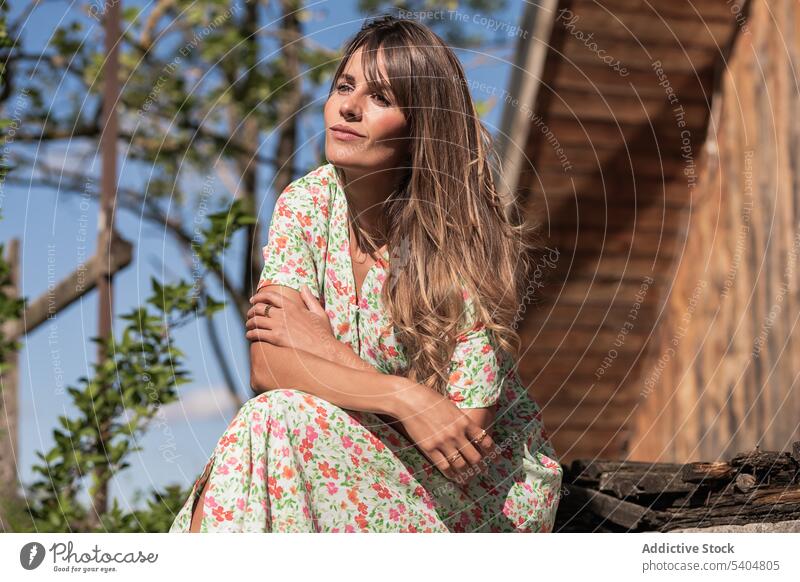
pixel 354 386
pixel 343 354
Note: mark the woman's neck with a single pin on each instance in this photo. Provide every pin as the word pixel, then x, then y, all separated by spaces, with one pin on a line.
pixel 366 195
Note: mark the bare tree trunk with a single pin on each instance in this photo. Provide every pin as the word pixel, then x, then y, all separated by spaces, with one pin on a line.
pixel 290 103
pixel 108 145
pixel 9 412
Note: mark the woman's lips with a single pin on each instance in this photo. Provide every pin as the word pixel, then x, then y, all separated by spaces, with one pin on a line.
pixel 344 135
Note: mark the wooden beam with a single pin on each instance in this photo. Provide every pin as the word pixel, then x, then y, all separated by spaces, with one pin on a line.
pixel 526 76
pixel 676 11
pixel 632 25
pixel 70 289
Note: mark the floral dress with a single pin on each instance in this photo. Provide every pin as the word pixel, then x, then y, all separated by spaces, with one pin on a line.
pixel 292 462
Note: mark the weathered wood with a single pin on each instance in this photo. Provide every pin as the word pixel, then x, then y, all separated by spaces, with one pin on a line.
pixel 621 513
pixel 745 482
pixel 589 104
pixel 595 216
pixel 627 484
pixel 732 379
pixel 637 25
pixel 699 472
pixel 767 460
pixel 583 470
pixel 771 505
pixel 647 245
pixel 584 317
pixel 642 496
pixel 606 133
pixel 675 60
pixel 675 11
pixel 553 187
pixel 596 415
pixel 594 291
pixel 627 168
pixel 600 78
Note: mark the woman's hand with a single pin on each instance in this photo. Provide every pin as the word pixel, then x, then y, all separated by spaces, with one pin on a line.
pixel 439 429
pixel 289 323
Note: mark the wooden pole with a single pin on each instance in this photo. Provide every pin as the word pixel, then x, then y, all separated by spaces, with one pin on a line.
pixel 108 145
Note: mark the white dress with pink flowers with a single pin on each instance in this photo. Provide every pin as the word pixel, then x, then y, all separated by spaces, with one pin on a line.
pixel 292 462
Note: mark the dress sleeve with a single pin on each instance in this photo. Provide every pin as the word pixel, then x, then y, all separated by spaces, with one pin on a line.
pixel 478 367
pixel 289 252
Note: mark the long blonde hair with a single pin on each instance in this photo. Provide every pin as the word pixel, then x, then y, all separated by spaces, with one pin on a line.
pixel 451 233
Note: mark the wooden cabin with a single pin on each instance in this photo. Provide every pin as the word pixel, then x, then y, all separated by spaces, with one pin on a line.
pixel 657 144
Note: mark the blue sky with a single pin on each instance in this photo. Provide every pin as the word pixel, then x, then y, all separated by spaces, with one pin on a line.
pixel 51 224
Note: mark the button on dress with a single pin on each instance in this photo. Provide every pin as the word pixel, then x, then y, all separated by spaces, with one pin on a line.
pixel 290 461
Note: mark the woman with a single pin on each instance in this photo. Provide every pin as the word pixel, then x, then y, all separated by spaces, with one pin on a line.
pixel 388 398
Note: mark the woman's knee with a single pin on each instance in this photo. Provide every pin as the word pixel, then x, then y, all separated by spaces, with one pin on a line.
pixel 295 408
pixel 279 399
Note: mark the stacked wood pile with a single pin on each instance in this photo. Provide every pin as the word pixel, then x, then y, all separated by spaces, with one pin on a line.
pixel 625 496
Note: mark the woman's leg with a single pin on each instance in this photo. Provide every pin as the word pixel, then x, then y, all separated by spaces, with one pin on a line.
pixel 290 461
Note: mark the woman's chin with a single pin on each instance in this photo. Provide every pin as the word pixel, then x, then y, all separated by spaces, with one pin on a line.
pixel 345 155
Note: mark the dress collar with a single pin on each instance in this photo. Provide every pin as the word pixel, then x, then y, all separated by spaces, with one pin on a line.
pixel 341 234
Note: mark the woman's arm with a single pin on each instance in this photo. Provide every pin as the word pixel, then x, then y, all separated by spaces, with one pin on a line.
pixel 342 353
pixel 274 367
pixel 430 421
pixel 345 354
pixel 344 379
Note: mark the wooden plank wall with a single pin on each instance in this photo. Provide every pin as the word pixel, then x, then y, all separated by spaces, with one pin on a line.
pixel 606 180
pixel 731 382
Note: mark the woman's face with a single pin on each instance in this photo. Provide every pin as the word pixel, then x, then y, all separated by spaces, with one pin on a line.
pixel 375 116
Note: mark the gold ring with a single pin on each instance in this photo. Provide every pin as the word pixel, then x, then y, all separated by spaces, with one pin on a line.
pixel 267 307
pixel 453 457
pixel 477 440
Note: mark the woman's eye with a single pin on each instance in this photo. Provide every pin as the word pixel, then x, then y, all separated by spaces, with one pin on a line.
pixel 344 86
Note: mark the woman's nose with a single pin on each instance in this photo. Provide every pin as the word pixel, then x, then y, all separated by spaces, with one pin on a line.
pixel 350 108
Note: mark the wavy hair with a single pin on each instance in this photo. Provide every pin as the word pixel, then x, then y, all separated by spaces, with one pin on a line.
pixel 459 257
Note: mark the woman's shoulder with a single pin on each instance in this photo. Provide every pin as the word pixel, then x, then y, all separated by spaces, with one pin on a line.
pixel 315 183
pixel 309 195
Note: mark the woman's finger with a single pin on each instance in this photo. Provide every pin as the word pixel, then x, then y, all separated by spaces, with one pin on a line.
pixel 474 459
pixel 470 451
pixel 263 335
pixel 304 295
pixel 257 309
pixel 481 439
pixel 260 309
pixel 437 458
pixel 269 297
pixel 259 322
pixel 458 464
pixel 312 303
